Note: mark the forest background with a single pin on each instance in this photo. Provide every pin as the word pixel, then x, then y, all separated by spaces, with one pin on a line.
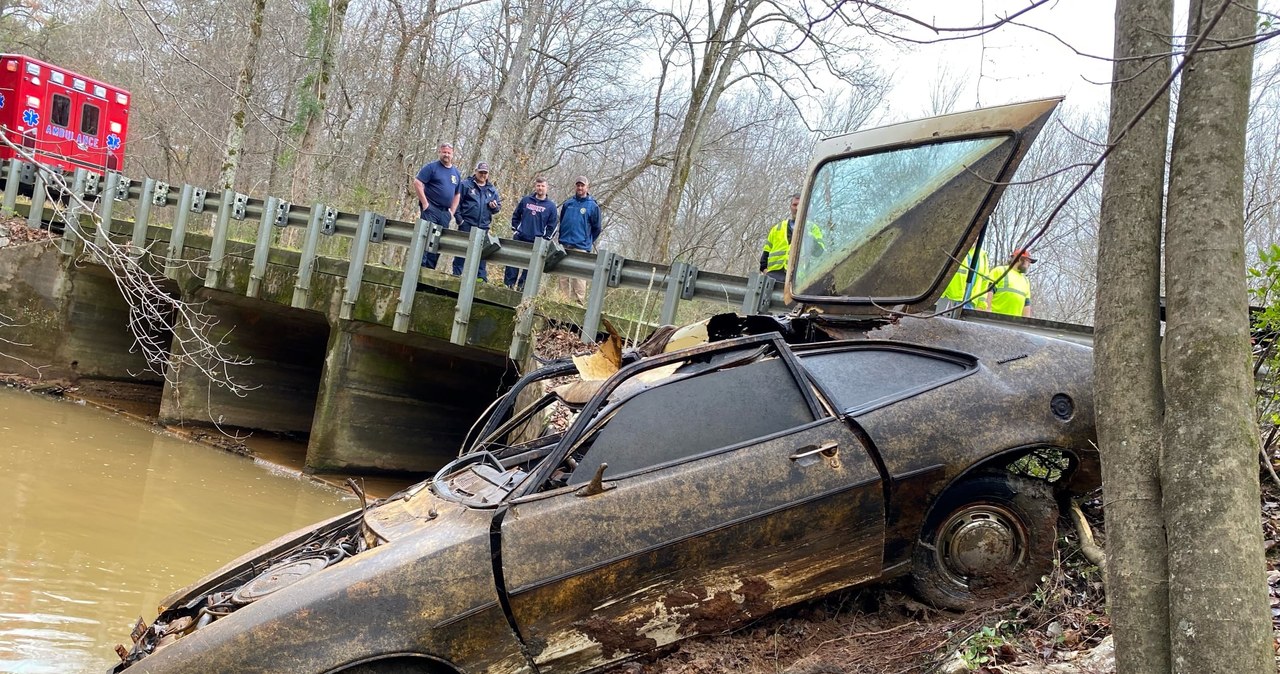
pixel 695 121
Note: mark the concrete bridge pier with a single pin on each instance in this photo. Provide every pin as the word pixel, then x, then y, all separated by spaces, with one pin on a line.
pixel 393 401
pixel 287 350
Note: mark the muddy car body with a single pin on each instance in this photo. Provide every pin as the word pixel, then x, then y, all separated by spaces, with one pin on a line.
pixel 775 460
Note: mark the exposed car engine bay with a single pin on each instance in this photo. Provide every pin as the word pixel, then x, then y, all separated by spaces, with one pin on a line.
pixel 344 537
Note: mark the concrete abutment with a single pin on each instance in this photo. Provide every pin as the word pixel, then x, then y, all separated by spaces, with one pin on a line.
pixel 392 401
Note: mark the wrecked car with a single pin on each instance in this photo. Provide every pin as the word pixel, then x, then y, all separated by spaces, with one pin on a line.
pixel 715 473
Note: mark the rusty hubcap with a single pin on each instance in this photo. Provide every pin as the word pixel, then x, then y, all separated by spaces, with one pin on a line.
pixel 981 540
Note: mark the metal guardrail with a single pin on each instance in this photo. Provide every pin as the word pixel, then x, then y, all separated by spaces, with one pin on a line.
pixel 604 269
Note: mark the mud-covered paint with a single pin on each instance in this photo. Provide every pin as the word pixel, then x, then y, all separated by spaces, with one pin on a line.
pixel 402 597
pixel 699 547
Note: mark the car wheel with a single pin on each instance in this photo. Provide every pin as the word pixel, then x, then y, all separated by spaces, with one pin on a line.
pixel 988 539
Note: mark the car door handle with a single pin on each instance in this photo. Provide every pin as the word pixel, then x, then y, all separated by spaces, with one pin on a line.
pixel 810 450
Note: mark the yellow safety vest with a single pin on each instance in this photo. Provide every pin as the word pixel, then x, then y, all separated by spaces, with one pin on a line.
pixel 777 247
pixel 982 279
pixel 1012 293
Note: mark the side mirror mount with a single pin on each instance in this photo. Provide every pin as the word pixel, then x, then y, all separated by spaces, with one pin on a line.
pixel 596 485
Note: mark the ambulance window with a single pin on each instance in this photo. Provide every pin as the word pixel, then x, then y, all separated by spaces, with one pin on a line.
pixel 61 111
pixel 89 120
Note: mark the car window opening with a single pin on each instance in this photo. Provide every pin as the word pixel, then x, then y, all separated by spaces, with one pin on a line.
pixel 729 399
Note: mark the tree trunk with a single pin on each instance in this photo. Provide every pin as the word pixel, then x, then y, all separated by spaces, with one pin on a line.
pixel 720 54
pixel 394 93
pixel 406 150
pixel 322 44
pixel 1218 604
pixel 497 137
pixel 1130 403
pixel 234 147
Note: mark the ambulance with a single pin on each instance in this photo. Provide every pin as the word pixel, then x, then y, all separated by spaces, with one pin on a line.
pixel 64 118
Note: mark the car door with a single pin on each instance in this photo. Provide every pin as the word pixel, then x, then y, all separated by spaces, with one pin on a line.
pixel 728 493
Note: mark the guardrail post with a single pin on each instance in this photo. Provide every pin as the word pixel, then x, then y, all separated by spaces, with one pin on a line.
pixel 218 249
pixel 266 227
pixel 71 217
pixel 107 199
pixel 759 292
pixel 307 263
pixel 467 289
pixel 355 270
pixel 14 176
pixel 35 219
pixel 177 239
pixel 139 241
pixel 524 313
pixel 601 281
pixel 680 285
pixel 412 270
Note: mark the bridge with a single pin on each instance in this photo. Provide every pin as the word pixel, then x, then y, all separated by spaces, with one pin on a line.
pixel 382 365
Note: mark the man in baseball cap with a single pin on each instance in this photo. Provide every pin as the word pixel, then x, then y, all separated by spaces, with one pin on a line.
pixel 478 202
pixel 1011 295
pixel 579 229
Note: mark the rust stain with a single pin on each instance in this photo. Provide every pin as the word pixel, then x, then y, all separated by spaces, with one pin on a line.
pixel 619 637
pixel 727 609
pixel 684 598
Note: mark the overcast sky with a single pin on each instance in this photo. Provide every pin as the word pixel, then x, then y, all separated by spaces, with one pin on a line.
pixel 1012 63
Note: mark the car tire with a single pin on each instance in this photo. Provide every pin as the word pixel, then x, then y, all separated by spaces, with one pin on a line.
pixel 988 539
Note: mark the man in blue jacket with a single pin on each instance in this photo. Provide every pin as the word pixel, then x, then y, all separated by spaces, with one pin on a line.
pixel 437 185
pixel 579 229
pixel 534 216
pixel 478 203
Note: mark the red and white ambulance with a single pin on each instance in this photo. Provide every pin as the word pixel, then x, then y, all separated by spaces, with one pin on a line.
pixel 66 119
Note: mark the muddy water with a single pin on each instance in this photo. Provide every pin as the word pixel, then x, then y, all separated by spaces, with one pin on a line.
pixel 101 517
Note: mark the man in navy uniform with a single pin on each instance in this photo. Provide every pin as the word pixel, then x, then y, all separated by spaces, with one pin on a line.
pixel 438 185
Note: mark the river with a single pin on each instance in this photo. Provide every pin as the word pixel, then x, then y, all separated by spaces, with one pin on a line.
pixel 103 516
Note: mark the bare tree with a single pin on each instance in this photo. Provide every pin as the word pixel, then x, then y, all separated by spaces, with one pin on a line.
pixel 234 146
pixel 327 19
pixel 1127 368
pixel 741 40
pixel 1218 604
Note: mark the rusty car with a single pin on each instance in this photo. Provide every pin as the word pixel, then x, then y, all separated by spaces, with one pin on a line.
pixel 722 471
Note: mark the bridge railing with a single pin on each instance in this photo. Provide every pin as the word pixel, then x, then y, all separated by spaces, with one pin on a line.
pixel 604 269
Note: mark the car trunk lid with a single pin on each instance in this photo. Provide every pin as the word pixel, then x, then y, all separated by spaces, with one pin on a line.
pixel 887 213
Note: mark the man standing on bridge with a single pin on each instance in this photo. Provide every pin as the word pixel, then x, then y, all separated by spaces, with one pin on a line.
pixel 438 185
pixel 579 229
pixel 478 203
pixel 534 216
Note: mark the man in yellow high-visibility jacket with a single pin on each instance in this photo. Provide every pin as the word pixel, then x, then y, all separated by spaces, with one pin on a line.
pixel 777 245
pixel 955 294
pixel 1011 295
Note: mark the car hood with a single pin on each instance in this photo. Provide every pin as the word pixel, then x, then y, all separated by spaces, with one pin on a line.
pixel 369 557
pixel 887 213
pixel 386 520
